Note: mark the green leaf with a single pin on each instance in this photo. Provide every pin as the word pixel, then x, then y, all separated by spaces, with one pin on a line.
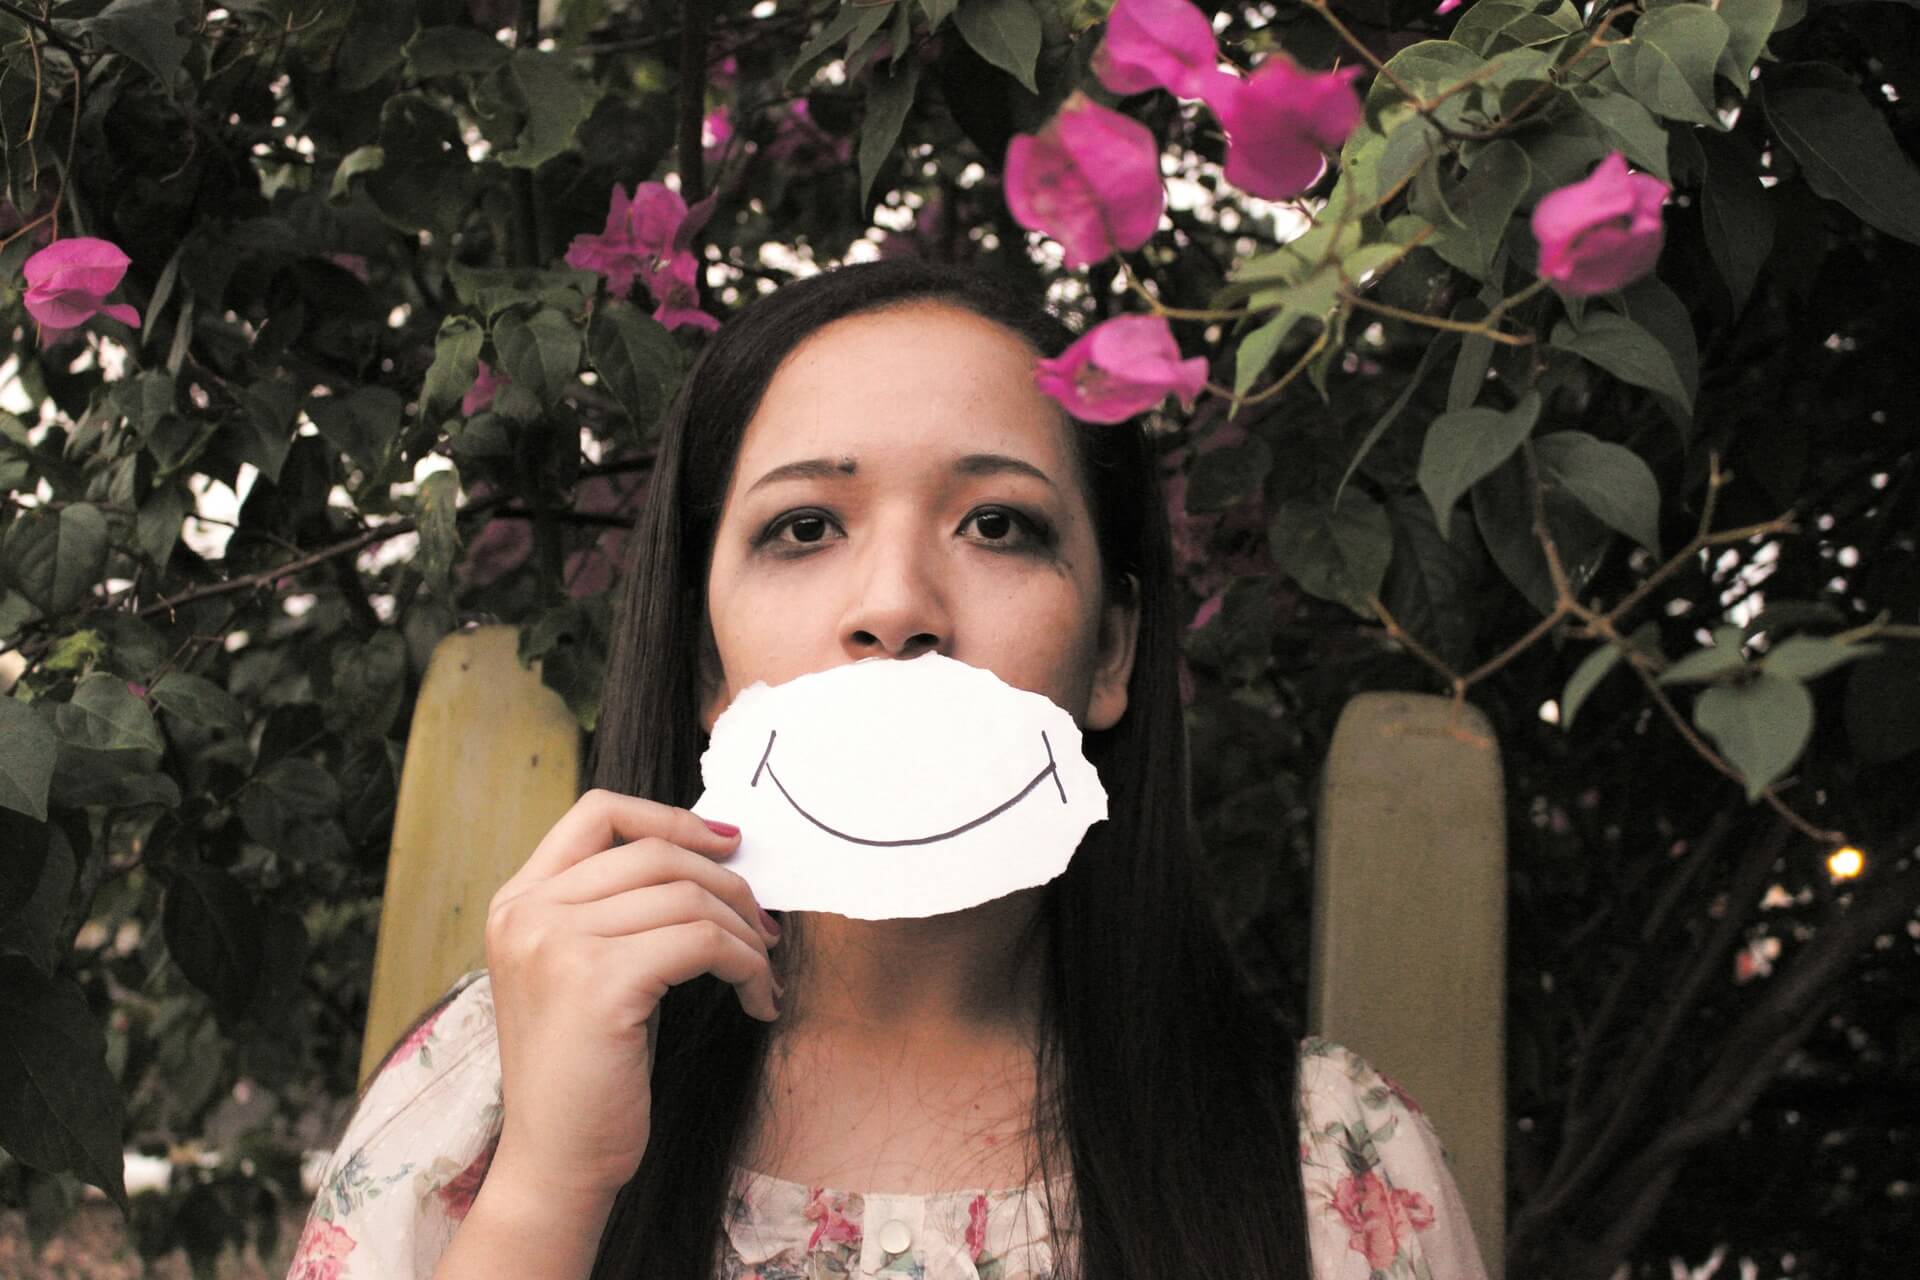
pixel 937 11
pixel 456 363
pixel 364 424
pixel 199 701
pixel 26 758
pixel 369 684
pixel 453 50
pixel 360 160
pixel 104 715
pixel 1503 511
pixel 1429 355
pixel 424 184
pixel 1257 349
pixel 1337 554
pixel 854 23
pixel 1845 149
pixel 1749 23
pixel 1736 214
pixel 1412 144
pixel 55 558
pixel 1227 476
pixel 1625 350
pixel 554 100
pixel 1463 447
pixel 1595 667
pixel 213 931
pixel 23 854
pixel 1760 726
pixel 1724 657
pixel 491 290
pixel 435 506
pixel 147 31
pixel 263 433
pixel 541 352
pixel 889 98
pixel 1810 657
pixel 1004 32
pixel 1482 205
pixel 158 522
pixel 637 361
pixel 60 1107
pixel 1632 129
pixel 1610 480
pixel 1669 63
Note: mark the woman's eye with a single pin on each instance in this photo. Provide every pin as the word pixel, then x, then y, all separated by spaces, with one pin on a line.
pixel 993 525
pixel 1003 527
pixel 808 528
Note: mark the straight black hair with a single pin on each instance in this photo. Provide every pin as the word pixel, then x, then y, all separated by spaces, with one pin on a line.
pixel 1170 1090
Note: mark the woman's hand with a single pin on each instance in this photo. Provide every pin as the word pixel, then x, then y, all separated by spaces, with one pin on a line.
pixel 582 944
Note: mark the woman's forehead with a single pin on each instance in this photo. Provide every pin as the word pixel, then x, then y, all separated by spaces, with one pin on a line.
pixel 925 382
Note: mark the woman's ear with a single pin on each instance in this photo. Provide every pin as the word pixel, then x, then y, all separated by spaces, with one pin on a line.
pixel 1113 670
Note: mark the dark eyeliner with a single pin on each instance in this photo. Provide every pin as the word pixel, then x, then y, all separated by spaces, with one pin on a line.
pixel 786 520
pixel 1039 531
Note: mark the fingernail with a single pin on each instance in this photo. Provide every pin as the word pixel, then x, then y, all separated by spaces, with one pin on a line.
pixel 721 828
pixel 769 925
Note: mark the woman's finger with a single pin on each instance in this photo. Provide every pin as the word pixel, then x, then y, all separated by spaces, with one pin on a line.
pixel 660 906
pixel 601 819
pixel 680 952
pixel 650 862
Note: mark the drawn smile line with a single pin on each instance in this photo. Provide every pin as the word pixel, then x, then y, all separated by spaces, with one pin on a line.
pixel 1051 771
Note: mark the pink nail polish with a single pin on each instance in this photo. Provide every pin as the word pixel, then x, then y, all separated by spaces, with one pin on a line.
pixel 721 828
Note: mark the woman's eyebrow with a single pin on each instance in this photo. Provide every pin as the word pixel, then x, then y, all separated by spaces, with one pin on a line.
pixel 808 469
pixel 988 464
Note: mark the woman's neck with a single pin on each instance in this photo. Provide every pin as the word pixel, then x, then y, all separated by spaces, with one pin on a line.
pixel 959 973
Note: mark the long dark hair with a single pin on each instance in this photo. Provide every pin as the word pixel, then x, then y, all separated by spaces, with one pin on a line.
pixel 1169 1090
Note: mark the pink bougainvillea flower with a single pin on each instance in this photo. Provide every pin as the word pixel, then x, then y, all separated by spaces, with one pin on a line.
pixel 646 239
pixel 1446 7
pixel 1090 179
pixel 69 280
pixel 672 287
pixel 1159 44
pixel 1281 121
pixel 715 131
pixel 1119 368
pixel 1603 232
pixel 487 383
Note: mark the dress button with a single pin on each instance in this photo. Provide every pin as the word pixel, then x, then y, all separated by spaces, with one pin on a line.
pixel 895 1236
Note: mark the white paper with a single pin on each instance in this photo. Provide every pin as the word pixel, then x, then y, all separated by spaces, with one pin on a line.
pixel 888 788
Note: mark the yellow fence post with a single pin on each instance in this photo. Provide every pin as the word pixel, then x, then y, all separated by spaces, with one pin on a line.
pixel 492 761
pixel 1410 924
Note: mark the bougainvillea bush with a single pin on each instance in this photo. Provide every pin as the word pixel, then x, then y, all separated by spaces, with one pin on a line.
pixel 1554 358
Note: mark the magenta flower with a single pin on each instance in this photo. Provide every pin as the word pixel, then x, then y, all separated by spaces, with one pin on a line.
pixel 1119 368
pixel 1160 44
pixel 1601 233
pixel 487 383
pixel 69 280
pixel 647 238
pixel 1090 179
pixel 672 287
pixel 1281 121
pixel 1446 7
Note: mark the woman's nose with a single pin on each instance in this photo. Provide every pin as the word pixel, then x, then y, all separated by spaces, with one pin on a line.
pixel 898 607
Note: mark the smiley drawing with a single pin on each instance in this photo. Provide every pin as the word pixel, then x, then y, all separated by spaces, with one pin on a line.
pixel 1051 771
pixel 894 788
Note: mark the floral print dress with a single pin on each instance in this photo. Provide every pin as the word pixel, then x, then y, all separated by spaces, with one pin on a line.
pixel 1381 1203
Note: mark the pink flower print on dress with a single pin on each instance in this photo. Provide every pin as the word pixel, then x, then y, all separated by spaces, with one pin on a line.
pixel 1119 368
pixel 831 1224
pixel 976 1227
pixel 1160 44
pixel 1379 1218
pixel 1603 232
pixel 322 1252
pixel 1090 179
pixel 1281 121
pixel 69 280
pixel 457 1196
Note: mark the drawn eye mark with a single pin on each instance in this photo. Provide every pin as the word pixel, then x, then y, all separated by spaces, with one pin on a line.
pixel 1051 770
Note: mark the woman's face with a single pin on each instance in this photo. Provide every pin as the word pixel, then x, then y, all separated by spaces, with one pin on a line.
pixel 904 488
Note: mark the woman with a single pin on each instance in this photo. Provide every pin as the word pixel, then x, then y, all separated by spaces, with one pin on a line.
pixel 1068 1081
